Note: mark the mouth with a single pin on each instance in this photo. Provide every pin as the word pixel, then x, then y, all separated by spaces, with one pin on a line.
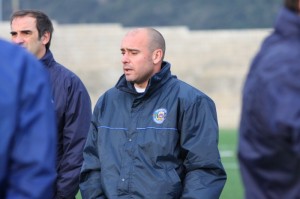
pixel 127 69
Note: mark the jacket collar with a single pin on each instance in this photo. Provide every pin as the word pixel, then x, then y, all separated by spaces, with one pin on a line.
pixel 155 82
pixel 287 23
pixel 47 58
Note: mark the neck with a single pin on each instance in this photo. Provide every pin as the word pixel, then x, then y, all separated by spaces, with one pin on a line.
pixel 41 53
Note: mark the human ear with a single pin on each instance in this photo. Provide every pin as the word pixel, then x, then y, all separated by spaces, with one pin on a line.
pixel 45 38
pixel 157 56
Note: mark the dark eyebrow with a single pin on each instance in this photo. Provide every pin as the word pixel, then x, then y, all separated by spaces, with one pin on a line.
pixel 22 31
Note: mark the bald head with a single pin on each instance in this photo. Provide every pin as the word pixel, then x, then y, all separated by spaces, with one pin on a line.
pixel 154 39
pixel 142 52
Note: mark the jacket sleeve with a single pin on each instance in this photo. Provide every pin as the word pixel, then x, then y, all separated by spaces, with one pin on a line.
pixel 77 120
pixel 269 148
pixel 90 183
pixel 33 155
pixel 205 176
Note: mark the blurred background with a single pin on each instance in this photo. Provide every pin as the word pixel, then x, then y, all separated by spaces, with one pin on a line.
pixel 210 44
pixel 194 14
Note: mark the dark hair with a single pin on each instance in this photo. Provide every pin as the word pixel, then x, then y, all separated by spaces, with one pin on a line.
pixel 43 23
pixel 292 5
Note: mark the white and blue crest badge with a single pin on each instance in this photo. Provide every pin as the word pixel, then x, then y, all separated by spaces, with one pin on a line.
pixel 159 115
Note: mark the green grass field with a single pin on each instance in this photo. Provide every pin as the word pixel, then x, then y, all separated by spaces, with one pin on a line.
pixel 227 145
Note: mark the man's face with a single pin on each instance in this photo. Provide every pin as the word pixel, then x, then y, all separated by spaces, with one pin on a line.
pixel 24 33
pixel 137 60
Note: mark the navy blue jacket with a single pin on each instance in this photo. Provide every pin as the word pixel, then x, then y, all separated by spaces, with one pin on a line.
pixel 158 144
pixel 269 143
pixel 73 116
pixel 27 127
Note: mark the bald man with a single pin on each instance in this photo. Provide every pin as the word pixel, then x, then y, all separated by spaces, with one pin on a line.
pixel 152 135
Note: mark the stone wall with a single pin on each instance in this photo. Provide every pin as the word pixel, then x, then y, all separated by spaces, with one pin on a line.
pixel 215 62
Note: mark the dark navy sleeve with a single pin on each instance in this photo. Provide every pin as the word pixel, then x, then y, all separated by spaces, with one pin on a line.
pixel 269 132
pixel 28 129
pixel 77 120
pixel 205 176
pixel 90 177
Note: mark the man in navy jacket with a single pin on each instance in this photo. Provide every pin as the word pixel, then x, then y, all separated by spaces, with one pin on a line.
pixel 269 142
pixel 33 30
pixel 152 135
pixel 27 127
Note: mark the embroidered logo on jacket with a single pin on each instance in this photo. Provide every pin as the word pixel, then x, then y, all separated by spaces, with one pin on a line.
pixel 159 115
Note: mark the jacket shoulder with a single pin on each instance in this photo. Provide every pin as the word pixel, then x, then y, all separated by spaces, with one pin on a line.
pixel 191 93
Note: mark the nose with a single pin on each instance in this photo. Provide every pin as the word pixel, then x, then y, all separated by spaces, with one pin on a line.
pixel 17 39
pixel 125 58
